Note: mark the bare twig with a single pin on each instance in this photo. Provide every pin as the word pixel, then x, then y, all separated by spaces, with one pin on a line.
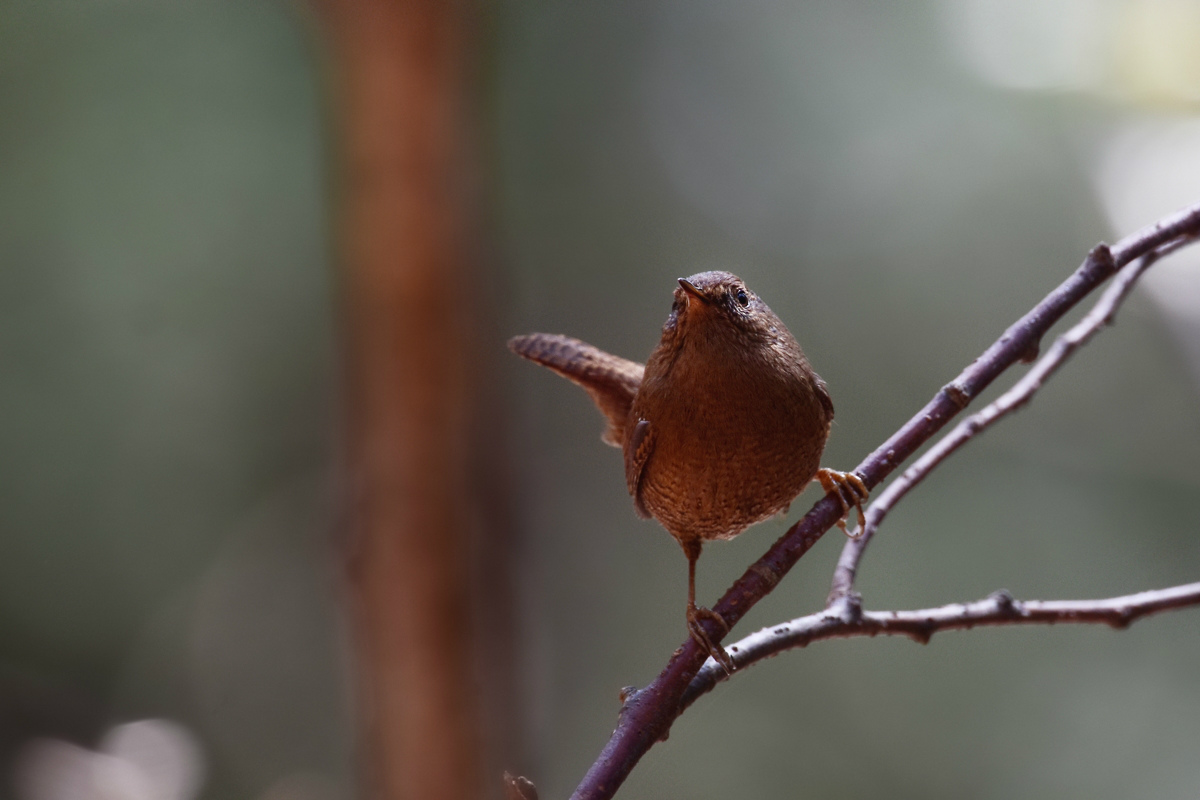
pixel 1149 245
pixel 647 715
pixel 1020 394
pixel 998 608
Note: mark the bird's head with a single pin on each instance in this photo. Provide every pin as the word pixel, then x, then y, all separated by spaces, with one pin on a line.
pixel 719 302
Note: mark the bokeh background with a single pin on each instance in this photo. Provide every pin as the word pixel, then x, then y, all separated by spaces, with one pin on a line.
pixel 898 181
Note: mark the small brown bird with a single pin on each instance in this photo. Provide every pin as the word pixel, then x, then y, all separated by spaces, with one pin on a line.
pixel 721 429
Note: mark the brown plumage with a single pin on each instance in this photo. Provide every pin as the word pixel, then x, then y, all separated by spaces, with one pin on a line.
pixel 721 429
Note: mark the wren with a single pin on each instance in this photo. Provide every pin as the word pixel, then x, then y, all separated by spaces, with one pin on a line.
pixel 723 426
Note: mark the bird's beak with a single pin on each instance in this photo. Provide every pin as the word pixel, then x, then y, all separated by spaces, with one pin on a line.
pixel 691 289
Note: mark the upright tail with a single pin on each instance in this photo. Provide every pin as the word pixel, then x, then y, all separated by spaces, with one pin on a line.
pixel 611 381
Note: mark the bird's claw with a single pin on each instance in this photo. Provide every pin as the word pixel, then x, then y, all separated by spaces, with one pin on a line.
pixel 850 491
pixel 716 651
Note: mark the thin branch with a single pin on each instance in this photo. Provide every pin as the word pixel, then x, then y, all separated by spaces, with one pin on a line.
pixel 1142 249
pixel 998 608
pixel 648 714
pixel 1019 395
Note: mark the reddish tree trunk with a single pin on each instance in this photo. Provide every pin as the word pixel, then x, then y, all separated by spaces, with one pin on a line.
pixel 398 86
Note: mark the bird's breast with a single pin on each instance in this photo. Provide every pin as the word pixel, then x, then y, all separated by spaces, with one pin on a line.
pixel 733 444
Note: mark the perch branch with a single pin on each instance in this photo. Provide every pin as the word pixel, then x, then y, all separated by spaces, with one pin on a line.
pixel 647 715
pixel 1019 395
pixel 998 608
pixel 1154 241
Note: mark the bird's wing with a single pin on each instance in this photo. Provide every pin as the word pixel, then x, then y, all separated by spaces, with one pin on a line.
pixel 823 396
pixel 610 380
pixel 641 445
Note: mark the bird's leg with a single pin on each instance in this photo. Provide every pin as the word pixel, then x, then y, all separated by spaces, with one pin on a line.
pixel 691 549
pixel 850 491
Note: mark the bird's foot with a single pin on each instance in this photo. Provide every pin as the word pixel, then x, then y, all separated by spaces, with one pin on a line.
pixel 850 491
pixel 694 616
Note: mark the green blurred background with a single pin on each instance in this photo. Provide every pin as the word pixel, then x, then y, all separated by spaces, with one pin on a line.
pixel 898 181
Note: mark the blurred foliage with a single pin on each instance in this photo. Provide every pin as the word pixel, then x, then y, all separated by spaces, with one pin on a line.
pixel 166 375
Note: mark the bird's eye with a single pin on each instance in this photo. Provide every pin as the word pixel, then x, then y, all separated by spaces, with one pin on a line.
pixel 741 296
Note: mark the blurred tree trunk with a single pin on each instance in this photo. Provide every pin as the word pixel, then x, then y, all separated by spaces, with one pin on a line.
pixel 399 72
